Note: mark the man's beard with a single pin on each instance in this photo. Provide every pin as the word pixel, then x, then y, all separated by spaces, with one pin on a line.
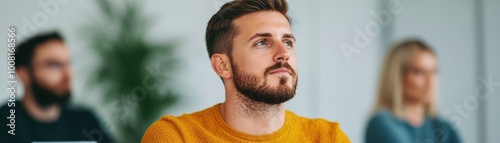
pixel 45 97
pixel 246 84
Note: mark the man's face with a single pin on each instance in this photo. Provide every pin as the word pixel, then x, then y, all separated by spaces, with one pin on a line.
pixel 50 75
pixel 263 57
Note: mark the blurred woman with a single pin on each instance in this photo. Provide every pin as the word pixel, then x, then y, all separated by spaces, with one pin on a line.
pixel 405 110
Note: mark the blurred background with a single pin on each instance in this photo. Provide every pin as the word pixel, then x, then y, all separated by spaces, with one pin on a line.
pixel 167 50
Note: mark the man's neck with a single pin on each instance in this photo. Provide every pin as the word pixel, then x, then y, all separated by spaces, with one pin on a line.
pixel 251 117
pixel 45 114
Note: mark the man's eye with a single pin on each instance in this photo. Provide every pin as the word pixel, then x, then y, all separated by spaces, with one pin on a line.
pixel 261 43
pixel 54 65
pixel 288 43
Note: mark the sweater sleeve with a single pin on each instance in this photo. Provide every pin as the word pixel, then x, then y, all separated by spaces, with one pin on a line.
pixel 162 131
pixel 341 137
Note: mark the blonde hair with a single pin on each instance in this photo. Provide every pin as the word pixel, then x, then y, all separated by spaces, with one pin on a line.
pixel 390 90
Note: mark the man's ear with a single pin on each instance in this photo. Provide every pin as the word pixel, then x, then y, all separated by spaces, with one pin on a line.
pixel 221 65
pixel 23 74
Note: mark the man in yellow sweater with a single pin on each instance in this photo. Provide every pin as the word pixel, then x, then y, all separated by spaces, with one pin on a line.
pixel 251 47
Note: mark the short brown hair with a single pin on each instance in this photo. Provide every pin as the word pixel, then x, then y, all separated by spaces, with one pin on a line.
pixel 26 50
pixel 221 30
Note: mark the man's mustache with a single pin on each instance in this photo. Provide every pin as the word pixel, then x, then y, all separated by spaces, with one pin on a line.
pixel 281 65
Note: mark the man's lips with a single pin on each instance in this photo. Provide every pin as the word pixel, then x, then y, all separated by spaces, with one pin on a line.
pixel 280 71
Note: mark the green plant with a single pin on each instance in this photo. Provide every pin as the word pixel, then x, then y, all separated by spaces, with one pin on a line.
pixel 131 71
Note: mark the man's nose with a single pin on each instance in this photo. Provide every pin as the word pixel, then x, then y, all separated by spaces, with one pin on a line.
pixel 282 53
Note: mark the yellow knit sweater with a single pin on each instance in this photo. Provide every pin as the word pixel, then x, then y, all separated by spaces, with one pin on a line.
pixel 208 126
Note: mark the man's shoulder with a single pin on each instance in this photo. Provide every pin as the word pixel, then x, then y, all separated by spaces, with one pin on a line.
pixel 191 118
pixel 173 128
pixel 5 111
pixel 314 122
pixel 325 131
pixel 6 106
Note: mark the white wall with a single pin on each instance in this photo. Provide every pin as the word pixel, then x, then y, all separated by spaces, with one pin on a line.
pixel 345 90
pixel 330 86
pixel 492 67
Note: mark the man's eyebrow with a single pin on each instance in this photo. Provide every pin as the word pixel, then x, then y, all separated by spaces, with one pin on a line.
pixel 289 36
pixel 270 35
pixel 260 35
